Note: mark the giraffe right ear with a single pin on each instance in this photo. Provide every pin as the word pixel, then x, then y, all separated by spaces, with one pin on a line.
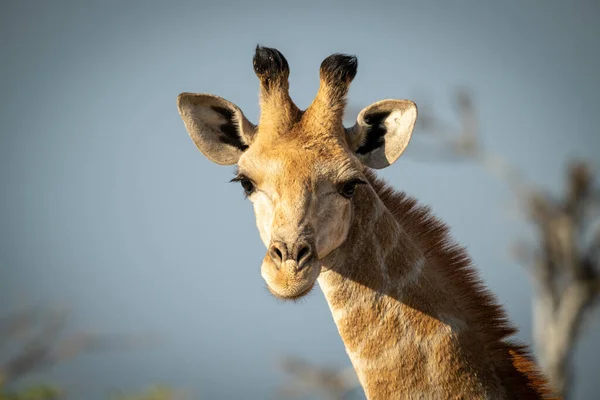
pixel 218 127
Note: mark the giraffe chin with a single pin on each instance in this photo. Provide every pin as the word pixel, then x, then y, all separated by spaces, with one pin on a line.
pixel 288 282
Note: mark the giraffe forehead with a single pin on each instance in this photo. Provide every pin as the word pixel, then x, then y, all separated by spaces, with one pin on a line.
pixel 297 164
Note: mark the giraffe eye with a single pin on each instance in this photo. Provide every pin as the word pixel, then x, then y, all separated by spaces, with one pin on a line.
pixel 347 189
pixel 247 185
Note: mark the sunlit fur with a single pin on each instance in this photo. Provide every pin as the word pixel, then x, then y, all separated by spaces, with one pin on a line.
pixel 414 318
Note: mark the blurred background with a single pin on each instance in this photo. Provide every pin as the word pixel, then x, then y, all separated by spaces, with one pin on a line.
pixel 127 262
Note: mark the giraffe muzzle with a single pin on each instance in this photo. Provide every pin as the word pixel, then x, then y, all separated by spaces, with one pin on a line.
pixel 290 271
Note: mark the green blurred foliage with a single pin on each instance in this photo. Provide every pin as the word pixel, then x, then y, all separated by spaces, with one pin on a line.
pixel 155 393
pixel 37 392
pixel 49 392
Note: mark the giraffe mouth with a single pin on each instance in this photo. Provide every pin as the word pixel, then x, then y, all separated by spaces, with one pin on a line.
pixel 290 283
pixel 294 296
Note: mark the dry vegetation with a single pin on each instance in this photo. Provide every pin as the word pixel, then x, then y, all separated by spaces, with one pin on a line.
pixel 40 343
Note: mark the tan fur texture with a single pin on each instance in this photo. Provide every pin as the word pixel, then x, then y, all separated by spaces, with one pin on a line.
pixel 414 318
pixel 416 321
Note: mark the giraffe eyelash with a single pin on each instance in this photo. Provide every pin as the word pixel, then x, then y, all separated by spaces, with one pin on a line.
pixel 246 182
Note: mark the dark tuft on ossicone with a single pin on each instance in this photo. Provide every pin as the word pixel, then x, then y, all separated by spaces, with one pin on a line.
pixel 270 65
pixel 339 68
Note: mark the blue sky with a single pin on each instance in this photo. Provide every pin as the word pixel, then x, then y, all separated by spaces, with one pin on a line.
pixel 108 208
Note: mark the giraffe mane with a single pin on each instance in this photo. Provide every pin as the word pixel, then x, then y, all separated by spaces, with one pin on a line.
pixel 512 359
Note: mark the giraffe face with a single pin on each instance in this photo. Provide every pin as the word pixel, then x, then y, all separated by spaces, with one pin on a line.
pixel 302 194
pixel 300 170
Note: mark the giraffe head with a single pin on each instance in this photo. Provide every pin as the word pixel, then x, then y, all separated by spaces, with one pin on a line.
pixel 300 169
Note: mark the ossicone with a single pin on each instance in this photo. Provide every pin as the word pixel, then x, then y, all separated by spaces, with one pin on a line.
pixel 270 65
pixel 339 68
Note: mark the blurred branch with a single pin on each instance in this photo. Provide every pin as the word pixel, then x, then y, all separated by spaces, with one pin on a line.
pixel 333 383
pixel 464 143
pixel 45 348
pixel 565 270
pixel 16 325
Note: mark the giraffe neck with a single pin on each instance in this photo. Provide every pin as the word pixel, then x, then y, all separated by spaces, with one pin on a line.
pixel 411 315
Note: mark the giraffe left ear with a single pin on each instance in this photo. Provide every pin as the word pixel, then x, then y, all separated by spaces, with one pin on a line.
pixel 382 132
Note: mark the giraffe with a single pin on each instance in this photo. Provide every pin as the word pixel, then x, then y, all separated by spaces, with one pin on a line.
pixel 414 317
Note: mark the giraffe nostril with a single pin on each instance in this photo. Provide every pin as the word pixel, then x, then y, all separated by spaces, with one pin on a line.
pixel 278 253
pixel 303 253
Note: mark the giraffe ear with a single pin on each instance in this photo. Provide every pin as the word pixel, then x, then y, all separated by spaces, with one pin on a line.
pixel 382 132
pixel 218 127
